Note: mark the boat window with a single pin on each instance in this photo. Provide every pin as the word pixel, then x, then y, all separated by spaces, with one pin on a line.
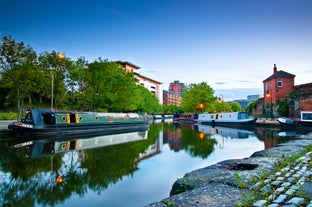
pixel 306 116
pixel 48 118
pixel 28 118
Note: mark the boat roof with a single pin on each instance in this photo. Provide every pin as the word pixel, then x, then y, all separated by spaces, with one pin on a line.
pixel 36 115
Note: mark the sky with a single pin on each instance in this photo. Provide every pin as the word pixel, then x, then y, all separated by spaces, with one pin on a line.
pixel 231 45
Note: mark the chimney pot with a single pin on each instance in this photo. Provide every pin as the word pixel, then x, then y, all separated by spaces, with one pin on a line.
pixel 274 69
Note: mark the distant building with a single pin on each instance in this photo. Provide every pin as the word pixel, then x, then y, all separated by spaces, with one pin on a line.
pixel 242 102
pixel 251 98
pixel 173 96
pixel 170 98
pixel 152 85
pixel 176 87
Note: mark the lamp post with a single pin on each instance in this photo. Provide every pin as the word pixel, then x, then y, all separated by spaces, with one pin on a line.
pixel 269 95
pixel 52 87
pixel 220 100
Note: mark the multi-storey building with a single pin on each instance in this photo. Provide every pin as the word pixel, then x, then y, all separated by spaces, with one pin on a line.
pixel 170 98
pixel 173 96
pixel 152 85
pixel 176 87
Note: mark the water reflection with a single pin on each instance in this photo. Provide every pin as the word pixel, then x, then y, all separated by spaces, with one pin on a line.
pixel 74 171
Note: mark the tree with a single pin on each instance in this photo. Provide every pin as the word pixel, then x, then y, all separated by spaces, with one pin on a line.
pixel 18 69
pixel 110 87
pixel 235 106
pixel 198 98
pixel 53 66
pixel 147 101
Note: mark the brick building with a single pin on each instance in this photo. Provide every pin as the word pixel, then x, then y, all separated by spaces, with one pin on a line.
pixel 176 87
pixel 170 98
pixel 173 96
pixel 278 85
pixel 281 86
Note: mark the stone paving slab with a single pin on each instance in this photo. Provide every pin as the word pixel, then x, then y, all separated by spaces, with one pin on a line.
pixel 217 185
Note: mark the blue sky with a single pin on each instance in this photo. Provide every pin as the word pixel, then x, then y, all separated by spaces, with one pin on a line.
pixel 230 44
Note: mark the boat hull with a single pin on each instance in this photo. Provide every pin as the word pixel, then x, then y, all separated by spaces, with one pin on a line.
pixel 45 122
pixel 294 123
pixel 250 122
pixel 81 129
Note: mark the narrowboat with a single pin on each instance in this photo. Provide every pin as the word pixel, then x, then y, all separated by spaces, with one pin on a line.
pixel 188 118
pixel 226 119
pixel 48 122
pixel 304 121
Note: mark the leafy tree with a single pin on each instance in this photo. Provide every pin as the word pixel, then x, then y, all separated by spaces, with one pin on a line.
pixel 147 101
pixel 18 69
pixel 283 108
pixel 235 106
pixel 198 98
pixel 110 87
pixel 170 109
pixel 53 65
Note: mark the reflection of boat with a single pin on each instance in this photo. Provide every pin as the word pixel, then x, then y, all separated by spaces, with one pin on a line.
pixel 305 120
pixel 224 131
pixel 226 119
pixel 47 122
pixel 162 116
pixel 41 147
pixel 287 134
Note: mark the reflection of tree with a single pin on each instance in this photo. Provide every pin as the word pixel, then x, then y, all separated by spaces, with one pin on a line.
pixel 29 181
pixel 197 144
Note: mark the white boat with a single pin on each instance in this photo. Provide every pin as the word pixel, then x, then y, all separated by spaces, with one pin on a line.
pixel 226 119
pixel 305 120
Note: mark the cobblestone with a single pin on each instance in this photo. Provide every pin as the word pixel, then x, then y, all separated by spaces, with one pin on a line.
pixel 284 188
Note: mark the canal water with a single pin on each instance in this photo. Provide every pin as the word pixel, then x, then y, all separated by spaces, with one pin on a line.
pixel 127 169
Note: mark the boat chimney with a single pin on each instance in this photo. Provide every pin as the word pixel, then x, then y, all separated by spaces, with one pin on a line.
pixel 274 69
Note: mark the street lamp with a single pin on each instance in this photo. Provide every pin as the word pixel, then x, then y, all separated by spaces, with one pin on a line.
pixel 52 87
pixel 269 95
pixel 220 100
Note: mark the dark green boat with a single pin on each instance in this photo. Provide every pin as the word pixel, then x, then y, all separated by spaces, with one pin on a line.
pixel 48 122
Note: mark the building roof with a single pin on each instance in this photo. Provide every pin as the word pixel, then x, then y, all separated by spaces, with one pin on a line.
pixel 127 63
pixel 142 76
pixel 279 74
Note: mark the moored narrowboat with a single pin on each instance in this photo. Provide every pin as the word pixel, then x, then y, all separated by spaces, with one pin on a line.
pixel 226 119
pixel 47 122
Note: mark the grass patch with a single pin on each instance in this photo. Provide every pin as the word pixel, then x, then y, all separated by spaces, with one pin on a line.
pixel 8 116
pixel 256 194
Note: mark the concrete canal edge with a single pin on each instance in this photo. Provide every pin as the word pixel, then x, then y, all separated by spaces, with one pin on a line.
pixel 4 130
pixel 217 185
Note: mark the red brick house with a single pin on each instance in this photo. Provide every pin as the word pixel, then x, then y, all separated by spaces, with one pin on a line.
pixel 278 86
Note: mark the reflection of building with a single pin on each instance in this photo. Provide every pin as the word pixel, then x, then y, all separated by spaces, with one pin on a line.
pixel 173 138
pixel 152 149
pixel 152 85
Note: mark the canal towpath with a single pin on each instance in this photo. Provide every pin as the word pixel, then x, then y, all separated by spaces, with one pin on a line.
pixel 221 184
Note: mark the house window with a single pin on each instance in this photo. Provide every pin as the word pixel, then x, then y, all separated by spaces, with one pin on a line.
pixel 279 83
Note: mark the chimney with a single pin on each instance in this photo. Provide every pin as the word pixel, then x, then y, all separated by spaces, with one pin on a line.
pixel 274 69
